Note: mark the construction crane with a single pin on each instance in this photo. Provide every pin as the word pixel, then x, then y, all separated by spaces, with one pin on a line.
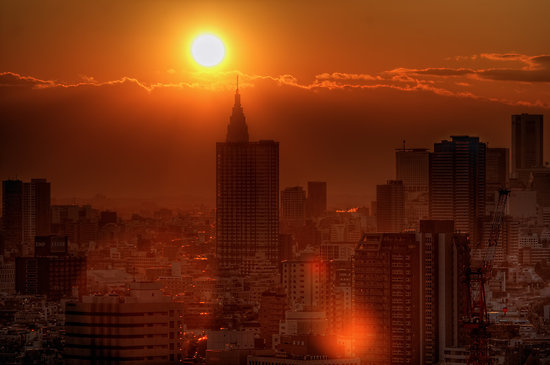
pixel 477 319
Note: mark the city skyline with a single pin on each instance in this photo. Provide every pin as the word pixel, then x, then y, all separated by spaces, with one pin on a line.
pixel 144 125
pixel 273 183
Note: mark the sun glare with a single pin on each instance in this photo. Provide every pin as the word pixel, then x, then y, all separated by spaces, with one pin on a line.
pixel 208 50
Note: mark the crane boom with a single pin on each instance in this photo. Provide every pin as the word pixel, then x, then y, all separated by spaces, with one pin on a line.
pixel 477 319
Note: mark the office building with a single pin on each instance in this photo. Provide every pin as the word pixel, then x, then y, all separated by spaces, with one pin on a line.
pixel 12 214
pixel 457 183
pixel 391 206
pixel 412 167
pixel 293 206
pixel 26 212
pixel 316 199
pixel 247 198
pixel 527 141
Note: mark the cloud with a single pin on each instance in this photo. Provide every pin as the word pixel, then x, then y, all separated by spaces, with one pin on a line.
pixel 446 81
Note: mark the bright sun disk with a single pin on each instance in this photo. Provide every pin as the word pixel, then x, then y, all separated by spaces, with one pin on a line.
pixel 208 50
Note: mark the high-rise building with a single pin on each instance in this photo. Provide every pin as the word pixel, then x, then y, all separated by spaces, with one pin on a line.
pixel 457 182
pixel 444 256
pixel 247 198
pixel 391 206
pixel 26 208
pixel 412 166
pixel 316 198
pixel 12 213
pixel 527 141
pixel 293 205
pixel 385 294
pixel 497 175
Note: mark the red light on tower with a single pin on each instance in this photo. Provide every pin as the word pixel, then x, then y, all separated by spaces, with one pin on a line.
pixel 505 310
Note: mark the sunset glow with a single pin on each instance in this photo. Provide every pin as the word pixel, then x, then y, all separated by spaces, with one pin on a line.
pixel 225 182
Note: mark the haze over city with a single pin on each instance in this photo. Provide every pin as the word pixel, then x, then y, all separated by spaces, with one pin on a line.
pixel 338 86
pixel 274 183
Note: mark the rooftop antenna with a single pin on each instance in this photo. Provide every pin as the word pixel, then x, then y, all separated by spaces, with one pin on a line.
pixel 237 82
pixel 403 145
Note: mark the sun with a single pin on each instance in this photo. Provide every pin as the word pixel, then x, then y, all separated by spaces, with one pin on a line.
pixel 208 50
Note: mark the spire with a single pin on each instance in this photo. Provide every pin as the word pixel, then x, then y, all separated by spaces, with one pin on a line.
pixel 237 95
pixel 237 130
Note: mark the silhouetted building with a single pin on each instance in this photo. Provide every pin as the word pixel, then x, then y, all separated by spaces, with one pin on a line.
pixel 541 184
pixel 12 213
pixel 527 141
pixel 293 205
pixel 26 210
pixel 316 198
pixel 287 247
pixel 412 167
pixel 390 199
pixel 79 223
pixel 52 272
pixel 457 182
pixel 106 217
pixel 444 257
pixel 143 327
pixel 247 198
pixel 385 294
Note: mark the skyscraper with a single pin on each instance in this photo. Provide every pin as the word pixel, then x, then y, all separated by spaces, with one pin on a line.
pixel 527 141
pixel 293 205
pixel 26 210
pixel 391 209
pixel 12 213
pixel 247 197
pixel 457 182
pixel 412 166
pixel 316 198
pixel 444 255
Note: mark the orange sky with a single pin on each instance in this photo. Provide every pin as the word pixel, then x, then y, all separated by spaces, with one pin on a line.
pixel 92 89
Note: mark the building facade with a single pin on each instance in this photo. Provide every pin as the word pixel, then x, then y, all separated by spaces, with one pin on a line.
pixel 144 327
pixel 457 183
pixel 247 198
pixel 316 198
pixel 385 297
pixel 527 141
pixel 390 199
pixel 26 213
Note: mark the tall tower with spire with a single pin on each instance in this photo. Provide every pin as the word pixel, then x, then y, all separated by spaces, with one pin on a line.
pixel 247 199
pixel 237 130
